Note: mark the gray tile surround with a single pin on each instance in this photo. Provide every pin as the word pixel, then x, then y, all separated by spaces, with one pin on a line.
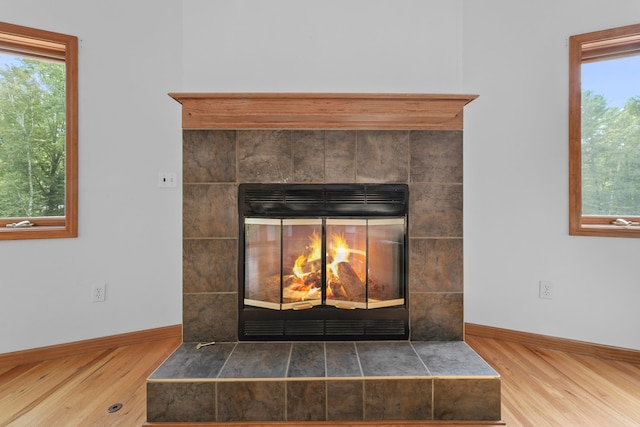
pixel 215 162
pixel 436 376
pixel 268 381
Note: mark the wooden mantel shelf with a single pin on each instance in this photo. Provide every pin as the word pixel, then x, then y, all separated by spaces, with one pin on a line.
pixel 321 110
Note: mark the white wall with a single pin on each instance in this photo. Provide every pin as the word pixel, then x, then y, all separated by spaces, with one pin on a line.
pixel 129 230
pixel 322 46
pixel 516 179
pixel 133 53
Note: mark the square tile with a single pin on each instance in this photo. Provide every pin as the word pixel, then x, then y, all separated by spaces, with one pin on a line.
pixel 452 358
pixel 345 401
pixel 342 360
pixel 306 401
pixel 382 156
pixel 210 317
pixel 251 401
pixel 436 156
pixel 257 360
pixel 190 362
pixel 308 156
pixel 208 156
pixel 398 399
pixel 209 210
pixel 389 358
pixel 436 316
pixel 209 265
pixel 468 399
pixel 436 265
pixel 435 210
pixel 307 360
pixel 181 402
pixel 264 156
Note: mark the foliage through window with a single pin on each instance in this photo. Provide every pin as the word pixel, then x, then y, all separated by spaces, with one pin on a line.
pixel 38 133
pixel 604 133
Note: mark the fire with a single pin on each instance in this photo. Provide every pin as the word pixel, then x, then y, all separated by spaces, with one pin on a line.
pixel 340 254
pixel 306 277
pixel 314 250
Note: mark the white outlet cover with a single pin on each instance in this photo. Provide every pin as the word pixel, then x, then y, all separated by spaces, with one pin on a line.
pixel 98 292
pixel 546 290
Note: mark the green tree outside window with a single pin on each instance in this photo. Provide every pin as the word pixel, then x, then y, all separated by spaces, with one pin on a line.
pixel 32 138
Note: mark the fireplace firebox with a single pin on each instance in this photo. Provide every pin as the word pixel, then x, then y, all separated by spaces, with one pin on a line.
pixel 323 261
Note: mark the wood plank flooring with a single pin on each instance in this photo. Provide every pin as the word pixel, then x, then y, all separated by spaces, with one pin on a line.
pixel 78 390
pixel 540 387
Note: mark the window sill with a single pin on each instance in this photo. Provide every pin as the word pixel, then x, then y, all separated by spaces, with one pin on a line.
pixel 605 230
pixel 37 232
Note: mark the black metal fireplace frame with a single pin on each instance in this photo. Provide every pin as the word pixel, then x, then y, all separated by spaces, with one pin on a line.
pixel 322 200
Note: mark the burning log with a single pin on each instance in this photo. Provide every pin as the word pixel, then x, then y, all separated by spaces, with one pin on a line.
pixel 313 280
pixel 303 266
pixel 348 284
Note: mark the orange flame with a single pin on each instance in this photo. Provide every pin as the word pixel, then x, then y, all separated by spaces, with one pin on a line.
pixel 340 253
pixel 314 250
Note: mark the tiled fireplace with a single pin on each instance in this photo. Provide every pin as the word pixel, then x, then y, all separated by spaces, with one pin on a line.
pixel 413 140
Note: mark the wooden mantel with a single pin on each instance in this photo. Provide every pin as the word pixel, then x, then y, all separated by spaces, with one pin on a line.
pixel 321 110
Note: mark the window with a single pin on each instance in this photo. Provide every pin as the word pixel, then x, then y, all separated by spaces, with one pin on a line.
pixel 38 134
pixel 604 133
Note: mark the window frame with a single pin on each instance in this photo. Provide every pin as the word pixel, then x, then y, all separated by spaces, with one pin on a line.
pixel 589 47
pixel 20 40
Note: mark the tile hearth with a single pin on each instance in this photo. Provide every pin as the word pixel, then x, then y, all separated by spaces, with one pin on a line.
pixel 323 381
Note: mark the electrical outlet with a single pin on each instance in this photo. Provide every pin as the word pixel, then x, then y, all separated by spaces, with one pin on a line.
pixel 546 290
pixel 98 292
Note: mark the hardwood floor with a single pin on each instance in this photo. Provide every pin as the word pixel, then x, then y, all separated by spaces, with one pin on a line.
pixel 540 387
pixel 78 390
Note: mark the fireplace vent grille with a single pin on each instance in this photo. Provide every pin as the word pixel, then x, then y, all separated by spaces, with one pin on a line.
pixel 283 200
pixel 263 328
pixel 304 328
pixel 325 329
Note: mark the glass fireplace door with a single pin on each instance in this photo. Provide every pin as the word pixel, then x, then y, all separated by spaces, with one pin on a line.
pixel 365 263
pixel 297 264
pixel 302 275
pixel 263 252
pixel 386 273
pixel 347 263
